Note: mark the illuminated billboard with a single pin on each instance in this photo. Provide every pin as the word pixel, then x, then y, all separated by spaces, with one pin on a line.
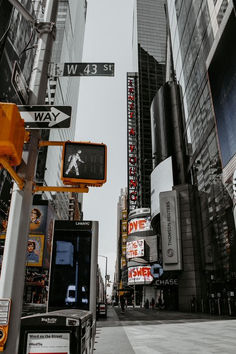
pixel 73 265
pixel 132 128
pixel 140 275
pixel 161 181
pixel 135 249
pixel 170 231
pixel 139 224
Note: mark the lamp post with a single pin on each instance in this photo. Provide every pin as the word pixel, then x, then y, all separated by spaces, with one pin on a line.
pixel 105 292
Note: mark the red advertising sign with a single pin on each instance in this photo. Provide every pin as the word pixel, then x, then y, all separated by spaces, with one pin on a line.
pixel 140 275
pixel 139 224
pixel 135 249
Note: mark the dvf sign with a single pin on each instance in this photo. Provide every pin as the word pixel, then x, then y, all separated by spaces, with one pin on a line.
pixel 84 163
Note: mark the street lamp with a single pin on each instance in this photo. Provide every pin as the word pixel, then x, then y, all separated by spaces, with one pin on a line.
pixel 105 292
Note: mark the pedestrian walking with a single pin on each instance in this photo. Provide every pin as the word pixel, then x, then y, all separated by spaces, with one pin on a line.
pixel 122 303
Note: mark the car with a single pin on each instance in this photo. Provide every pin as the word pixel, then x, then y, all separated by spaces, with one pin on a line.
pixel 70 295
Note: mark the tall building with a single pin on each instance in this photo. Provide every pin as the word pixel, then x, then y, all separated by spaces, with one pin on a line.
pixel 17 53
pixel 204 62
pixel 194 148
pixel 149 37
pixel 150 20
pixel 62 91
pixel 67 48
pixel 18 41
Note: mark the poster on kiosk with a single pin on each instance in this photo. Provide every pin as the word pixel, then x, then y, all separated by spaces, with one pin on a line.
pixel 48 343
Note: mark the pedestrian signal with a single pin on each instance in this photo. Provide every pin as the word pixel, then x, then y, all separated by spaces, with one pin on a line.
pixel 84 163
pixel 12 133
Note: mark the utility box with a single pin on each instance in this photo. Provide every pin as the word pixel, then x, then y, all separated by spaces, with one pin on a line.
pixel 63 331
pixel 12 133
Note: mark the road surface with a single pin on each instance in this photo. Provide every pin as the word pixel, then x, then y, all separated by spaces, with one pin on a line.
pixel 142 331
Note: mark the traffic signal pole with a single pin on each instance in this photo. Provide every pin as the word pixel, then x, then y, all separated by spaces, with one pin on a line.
pixel 13 267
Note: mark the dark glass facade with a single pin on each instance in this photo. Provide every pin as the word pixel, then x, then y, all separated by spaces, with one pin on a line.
pixel 192 39
pixel 151 23
pixel 16 45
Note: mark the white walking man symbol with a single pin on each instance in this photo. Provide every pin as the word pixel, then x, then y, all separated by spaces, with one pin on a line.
pixel 73 162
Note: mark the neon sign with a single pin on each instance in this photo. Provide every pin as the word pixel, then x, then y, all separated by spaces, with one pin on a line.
pixel 132 100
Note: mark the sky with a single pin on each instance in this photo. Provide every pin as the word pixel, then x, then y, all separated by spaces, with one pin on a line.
pixel 102 114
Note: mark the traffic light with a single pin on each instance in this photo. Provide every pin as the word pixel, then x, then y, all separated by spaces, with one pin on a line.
pixel 84 163
pixel 12 133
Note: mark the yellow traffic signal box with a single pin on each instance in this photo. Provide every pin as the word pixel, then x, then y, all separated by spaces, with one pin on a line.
pixel 84 163
pixel 12 133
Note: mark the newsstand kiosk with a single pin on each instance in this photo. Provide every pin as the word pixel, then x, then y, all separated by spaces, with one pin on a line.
pixel 63 331
pixel 69 325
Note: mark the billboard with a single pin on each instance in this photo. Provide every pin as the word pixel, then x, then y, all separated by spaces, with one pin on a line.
pixel 135 249
pixel 74 265
pixel 161 181
pixel 132 128
pixel 170 231
pixel 140 275
pixel 139 225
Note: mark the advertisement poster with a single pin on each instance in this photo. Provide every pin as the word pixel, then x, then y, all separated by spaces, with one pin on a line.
pixel 48 343
pixel 38 219
pixel 139 224
pixel 170 231
pixel 140 275
pixel 34 256
pixel 135 249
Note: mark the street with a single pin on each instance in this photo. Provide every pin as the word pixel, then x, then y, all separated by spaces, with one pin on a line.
pixel 150 331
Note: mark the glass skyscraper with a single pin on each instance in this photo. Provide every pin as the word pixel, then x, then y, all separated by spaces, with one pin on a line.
pixel 151 38
pixel 197 29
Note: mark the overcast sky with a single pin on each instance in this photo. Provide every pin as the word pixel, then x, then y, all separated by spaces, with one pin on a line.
pixel 102 113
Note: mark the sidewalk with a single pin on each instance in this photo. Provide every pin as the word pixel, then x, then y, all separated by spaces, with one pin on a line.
pixel 148 331
pixel 110 336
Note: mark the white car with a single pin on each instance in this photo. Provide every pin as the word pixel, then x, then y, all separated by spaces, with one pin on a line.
pixel 70 295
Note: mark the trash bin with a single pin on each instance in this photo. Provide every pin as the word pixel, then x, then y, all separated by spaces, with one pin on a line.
pixel 63 331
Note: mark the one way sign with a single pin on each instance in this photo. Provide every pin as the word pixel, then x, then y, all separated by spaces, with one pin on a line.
pixel 46 117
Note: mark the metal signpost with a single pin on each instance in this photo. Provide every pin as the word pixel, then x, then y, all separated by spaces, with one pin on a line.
pixel 46 117
pixel 81 69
